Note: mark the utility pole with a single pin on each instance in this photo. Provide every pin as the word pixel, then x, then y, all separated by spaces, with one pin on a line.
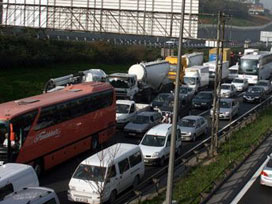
pixel 217 83
pixel 169 192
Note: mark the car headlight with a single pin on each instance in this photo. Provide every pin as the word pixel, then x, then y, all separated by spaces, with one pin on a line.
pixel 156 154
pixel 257 97
pixel 227 113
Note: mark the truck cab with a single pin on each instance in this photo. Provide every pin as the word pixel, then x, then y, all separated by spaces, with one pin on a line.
pixel 125 85
pixel 197 77
pixel 126 111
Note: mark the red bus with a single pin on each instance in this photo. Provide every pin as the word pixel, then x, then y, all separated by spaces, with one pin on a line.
pixel 47 129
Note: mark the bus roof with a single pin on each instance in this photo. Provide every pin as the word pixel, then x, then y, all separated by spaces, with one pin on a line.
pixel 11 109
pixel 256 56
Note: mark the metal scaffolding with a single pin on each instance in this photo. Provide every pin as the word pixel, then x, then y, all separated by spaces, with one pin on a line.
pixel 137 17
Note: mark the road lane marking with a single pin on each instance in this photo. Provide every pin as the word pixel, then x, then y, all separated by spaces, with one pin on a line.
pixel 249 183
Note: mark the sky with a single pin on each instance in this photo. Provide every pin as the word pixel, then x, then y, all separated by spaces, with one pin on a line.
pixel 267 4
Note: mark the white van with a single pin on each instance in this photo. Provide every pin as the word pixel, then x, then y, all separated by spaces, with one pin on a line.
pixel 32 195
pixel 104 175
pixel 15 176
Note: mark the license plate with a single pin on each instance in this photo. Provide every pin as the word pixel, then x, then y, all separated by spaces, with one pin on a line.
pixel 132 134
pixel 145 160
pixel 82 200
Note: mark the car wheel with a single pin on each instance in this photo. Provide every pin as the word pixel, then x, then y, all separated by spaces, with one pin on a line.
pixel 179 151
pixel 194 138
pixel 95 143
pixel 162 161
pixel 38 167
pixel 136 182
pixel 112 197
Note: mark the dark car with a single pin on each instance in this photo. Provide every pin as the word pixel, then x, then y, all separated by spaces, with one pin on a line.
pixel 160 99
pixel 254 94
pixel 143 122
pixel 184 107
pixel 203 99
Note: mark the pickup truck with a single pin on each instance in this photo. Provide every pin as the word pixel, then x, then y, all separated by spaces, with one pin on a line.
pixel 126 111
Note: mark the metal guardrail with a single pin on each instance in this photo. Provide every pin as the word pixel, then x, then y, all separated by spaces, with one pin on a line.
pixel 184 158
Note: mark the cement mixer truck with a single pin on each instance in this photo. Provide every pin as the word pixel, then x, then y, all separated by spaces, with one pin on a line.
pixel 142 81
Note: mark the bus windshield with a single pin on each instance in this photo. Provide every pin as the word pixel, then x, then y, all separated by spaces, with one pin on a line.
pixel 3 131
pixel 248 66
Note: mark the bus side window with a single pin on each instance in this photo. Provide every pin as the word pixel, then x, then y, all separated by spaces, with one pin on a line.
pixel 47 117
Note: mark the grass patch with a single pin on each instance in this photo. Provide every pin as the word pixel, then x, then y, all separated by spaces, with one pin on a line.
pixel 199 177
pixel 23 82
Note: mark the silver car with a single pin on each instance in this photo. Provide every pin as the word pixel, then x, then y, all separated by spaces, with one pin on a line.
pixel 142 122
pixel 240 84
pixel 228 90
pixel 192 127
pixel 266 174
pixel 228 108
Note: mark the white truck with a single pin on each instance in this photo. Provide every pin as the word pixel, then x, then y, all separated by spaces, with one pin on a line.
pixel 89 75
pixel 197 77
pixel 212 68
pixel 126 111
pixel 142 80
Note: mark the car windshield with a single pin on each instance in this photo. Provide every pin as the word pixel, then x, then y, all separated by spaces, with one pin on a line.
pixel 255 89
pixel 153 141
pixel 225 87
pixel 248 66
pixel 262 83
pixel 118 83
pixel 189 80
pixel 161 97
pixel 122 108
pixel 204 96
pixel 240 81
pixel 90 173
pixel 188 123
pixel 141 119
pixel 3 131
pixel 224 104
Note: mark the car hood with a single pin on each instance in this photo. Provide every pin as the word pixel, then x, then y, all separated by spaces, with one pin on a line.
pixel 223 110
pixel 148 150
pixel 238 84
pixel 201 100
pixel 137 127
pixel 224 91
pixel 187 129
pixel 84 185
pixel 252 94
pixel 121 116
pixel 156 104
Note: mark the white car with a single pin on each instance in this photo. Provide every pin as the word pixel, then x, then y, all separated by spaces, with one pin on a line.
pixel 240 84
pixel 266 174
pixel 227 90
pixel 192 126
pixel 155 144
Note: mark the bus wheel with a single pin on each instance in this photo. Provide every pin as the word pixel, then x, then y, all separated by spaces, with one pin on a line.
pixel 95 143
pixel 38 167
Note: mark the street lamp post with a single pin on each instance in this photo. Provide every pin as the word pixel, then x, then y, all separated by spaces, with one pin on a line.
pixel 169 191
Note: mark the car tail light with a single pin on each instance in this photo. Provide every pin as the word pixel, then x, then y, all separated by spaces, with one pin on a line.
pixel 264 173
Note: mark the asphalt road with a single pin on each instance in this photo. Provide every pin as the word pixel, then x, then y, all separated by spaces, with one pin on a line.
pixel 58 177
